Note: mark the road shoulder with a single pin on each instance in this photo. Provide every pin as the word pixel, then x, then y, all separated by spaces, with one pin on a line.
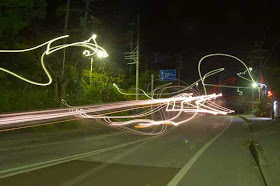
pixel 227 161
pixel 267 136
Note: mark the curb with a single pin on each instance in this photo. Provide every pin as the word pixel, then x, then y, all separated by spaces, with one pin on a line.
pixel 259 156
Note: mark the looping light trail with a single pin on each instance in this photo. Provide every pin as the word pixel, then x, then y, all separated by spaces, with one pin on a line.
pixel 92 48
pixel 240 74
pixel 157 113
pixel 179 104
pixel 184 100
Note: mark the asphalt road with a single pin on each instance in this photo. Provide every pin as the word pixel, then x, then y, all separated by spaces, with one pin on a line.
pixel 266 138
pixel 209 150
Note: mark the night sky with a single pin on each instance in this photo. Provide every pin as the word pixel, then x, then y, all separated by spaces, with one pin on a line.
pixel 194 28
pixel 174 25
pixel 201 28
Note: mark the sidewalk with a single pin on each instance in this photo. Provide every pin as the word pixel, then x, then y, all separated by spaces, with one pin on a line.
pixel 266 133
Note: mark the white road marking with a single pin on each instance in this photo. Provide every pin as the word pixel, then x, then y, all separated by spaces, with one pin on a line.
pixel 60 142
pixel 36 166
pixel 178 177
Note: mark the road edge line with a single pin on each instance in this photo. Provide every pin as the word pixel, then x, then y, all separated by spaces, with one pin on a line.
pixel 256 151
pixel 179 176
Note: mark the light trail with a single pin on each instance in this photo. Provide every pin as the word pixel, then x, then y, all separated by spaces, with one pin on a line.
pixel 240 74
pixel 180 103
pixel 170 108
pixel 38 125
pixel 13 120
pixel 91 49
pixel 196 104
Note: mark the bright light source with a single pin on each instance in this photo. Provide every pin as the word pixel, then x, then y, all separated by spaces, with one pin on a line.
pixel 91 46
pixel 254 85
pixel 269 93
pixel 94 36
pixel 101 54
pixel 250 68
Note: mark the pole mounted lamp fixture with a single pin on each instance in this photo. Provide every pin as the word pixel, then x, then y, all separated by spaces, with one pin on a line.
pixel 254 85
pixel 92 48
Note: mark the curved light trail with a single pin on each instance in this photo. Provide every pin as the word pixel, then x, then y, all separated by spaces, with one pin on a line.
pixel 186 102
pixel 91 49
pixel 168 108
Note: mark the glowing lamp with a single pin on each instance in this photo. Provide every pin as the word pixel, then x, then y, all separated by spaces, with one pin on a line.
pixel 269 93
pixel 254 85
pixel 90 45
pixel 101 54
pixel 94 36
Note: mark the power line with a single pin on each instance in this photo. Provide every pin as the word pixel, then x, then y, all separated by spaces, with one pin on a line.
pixel 270 53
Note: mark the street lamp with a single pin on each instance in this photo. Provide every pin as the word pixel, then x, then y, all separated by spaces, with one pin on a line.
pixel 254 85
pixel 90 45
pixel 100 54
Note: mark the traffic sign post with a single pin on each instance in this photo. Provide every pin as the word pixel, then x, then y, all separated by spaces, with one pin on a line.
pixel 168 75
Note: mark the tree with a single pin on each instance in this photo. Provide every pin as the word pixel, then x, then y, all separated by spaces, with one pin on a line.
pixel 72 82
pixel 15 15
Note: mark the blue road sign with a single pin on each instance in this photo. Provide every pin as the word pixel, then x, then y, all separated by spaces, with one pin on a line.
pixel 167 75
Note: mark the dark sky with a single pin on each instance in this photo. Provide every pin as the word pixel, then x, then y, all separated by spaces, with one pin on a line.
pixel 201 28
pixel 173 26
pixel 213 26
pixel 196 27
pixel 193 27
pixel 182 23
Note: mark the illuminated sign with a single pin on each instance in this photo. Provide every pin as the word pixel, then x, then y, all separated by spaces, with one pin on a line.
pixel 168 75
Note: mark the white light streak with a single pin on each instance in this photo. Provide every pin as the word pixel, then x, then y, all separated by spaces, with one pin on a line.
pixel 91 49
pixel 179 107
pixel 275 107
pixel 247 70
pixel 185 100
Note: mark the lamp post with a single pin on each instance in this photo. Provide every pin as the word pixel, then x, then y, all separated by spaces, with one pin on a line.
pixel 91 62
pixel 255 85
pixel 100 54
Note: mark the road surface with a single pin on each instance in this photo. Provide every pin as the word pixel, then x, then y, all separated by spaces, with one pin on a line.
pixel 209 150
pixel 266 141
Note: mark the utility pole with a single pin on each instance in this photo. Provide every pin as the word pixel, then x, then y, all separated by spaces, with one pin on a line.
pixel 65 33
pixel 152 86
pixel 179 67
pixel 85 32
pixel 66 21
pixel 133 57
pixel 86 17
pixel 131 48
pixel 85 24
pixel 137 61
pixel 152 93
